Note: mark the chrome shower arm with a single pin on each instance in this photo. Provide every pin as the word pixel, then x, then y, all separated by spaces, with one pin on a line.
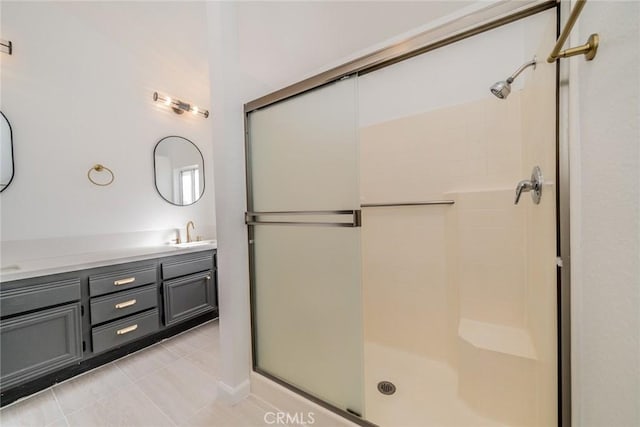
pixel 513 76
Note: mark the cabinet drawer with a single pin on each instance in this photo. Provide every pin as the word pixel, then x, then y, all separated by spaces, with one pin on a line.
pixel 38 343
pixel 122 331
pixel 182 267
pixel 33 297
pixel 123 304
pixel 188 297
pixel 101 284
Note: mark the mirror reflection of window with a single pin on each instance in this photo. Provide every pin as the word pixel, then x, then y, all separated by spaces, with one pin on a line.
pixel 179 167
pixel 190 185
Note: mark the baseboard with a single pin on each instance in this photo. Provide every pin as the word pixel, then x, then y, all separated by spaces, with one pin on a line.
pixel 233 395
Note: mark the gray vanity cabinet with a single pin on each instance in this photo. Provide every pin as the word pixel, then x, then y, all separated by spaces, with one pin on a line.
pixel 188 288
pixel 55 327
pixel 40 331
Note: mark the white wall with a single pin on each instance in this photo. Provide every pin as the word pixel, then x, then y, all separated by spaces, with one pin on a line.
pixel 281 42
pixel 605 227
pixel 454 76
pixel 78 91
pixel 229 88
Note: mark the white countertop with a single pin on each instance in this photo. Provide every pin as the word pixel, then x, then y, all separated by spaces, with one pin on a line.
pixel 61 264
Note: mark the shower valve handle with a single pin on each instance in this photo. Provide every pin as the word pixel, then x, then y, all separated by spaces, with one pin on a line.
pixel 533 185
pixel 523 186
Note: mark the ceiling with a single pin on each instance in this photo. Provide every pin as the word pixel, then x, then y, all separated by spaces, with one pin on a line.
pixel 283 42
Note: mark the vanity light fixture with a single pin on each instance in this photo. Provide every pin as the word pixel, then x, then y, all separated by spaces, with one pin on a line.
pixel 6 46
pixel 178 106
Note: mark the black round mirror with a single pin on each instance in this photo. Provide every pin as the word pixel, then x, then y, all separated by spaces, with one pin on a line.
pixel 179 170
pixel 6 153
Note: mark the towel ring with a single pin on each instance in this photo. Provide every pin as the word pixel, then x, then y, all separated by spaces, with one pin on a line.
pixel 100 168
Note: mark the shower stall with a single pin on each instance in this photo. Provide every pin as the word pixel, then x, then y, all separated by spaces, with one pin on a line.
pixel 394 280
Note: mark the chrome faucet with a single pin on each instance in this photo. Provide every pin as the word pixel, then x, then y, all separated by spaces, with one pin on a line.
pixel 190 223
pixel 534 185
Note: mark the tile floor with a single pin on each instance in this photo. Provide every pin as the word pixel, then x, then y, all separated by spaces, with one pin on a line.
pixel 172 383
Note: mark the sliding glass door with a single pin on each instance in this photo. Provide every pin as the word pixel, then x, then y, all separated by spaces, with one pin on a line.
pixel 304 225
pixel 403 236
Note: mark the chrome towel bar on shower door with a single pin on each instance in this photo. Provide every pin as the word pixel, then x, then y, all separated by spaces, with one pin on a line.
pixel 426 203
pixel 355 217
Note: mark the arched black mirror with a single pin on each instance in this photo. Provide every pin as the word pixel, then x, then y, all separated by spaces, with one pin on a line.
pixel 6 153
pixel 179 170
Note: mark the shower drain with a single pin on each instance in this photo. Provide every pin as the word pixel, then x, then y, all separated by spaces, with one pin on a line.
pixel 386 387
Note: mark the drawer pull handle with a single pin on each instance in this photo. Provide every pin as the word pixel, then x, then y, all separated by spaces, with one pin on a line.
pixel 127 330
pixel 124 281
pixel 208 277
pixel 126 304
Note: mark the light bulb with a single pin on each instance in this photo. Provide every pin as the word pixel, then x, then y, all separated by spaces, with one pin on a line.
pixel 167 101
pixel 194 110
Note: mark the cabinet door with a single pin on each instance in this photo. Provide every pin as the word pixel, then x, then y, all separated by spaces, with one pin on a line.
pixel 38 343
pixel 189 296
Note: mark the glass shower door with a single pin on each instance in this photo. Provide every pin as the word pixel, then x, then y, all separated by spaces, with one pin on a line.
pixel 304 218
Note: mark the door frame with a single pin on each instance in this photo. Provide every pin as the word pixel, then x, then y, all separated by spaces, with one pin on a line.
pixel 486 19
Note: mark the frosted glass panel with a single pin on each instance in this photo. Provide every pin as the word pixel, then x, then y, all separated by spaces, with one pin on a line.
pixel 307 302
pixel 308 310
pixel 304 152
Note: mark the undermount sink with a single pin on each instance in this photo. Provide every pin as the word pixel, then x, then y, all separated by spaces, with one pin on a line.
pixel 10 268
pixel 192 244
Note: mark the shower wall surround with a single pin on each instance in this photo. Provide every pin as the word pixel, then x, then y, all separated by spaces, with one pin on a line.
pixel 467 290
pixel 78 91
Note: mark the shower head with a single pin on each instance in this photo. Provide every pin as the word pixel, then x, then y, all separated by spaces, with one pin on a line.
pixel 502 89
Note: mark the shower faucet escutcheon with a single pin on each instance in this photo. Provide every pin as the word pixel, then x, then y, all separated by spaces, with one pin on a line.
pixel 533 185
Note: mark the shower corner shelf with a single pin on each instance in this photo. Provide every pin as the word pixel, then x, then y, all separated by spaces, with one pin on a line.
pixel 513 341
